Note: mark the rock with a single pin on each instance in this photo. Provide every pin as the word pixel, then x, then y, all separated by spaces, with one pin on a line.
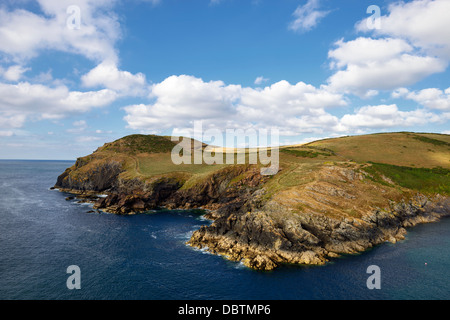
pixel 260 262
pixel 99 178
pixel 263 244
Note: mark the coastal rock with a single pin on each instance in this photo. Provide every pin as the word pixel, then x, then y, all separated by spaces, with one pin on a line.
pixel 261 243
pixel 94 178
pixel 260 262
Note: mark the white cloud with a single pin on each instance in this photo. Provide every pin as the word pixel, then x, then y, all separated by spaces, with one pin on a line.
pixel 431 98
pixel 109 76
pixel 10 119
pixel 14 73
pixel 417 45
pixel 283 100
pixel 424 23
pixel 368 64
pixel 307 16
pixel 260 80
pixel 23 34
pixel 21 101
pixel 385 116
pixel 180 100
pixel 363 51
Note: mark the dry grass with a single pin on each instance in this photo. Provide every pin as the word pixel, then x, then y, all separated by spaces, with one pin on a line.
pixel 402 149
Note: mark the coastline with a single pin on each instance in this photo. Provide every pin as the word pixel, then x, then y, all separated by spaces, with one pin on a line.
pixel 231 232
pixel 319 205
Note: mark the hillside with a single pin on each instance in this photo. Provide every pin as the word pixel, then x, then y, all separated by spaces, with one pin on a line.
pixel 401 149
pixel 330 197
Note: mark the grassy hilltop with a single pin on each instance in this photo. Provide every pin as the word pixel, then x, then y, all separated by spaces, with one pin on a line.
pixel 411 160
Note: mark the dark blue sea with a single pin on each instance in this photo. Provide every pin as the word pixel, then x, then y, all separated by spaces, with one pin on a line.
pixel 145 256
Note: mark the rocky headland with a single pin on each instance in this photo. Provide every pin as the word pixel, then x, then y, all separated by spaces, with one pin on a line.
pixel 308 213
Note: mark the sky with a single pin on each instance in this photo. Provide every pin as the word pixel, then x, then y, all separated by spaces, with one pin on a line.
pixel 75 74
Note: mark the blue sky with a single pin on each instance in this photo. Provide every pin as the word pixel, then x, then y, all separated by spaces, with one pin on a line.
pixel 71 81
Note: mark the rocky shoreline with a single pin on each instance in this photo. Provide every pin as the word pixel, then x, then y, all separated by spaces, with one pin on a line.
pixel 247 225
pixel 260 243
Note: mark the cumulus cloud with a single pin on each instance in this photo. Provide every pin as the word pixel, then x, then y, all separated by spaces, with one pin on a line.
pixel 13 73
pixel 180 100
pixel 367 64
pixel 424 23
pixel 296 100
pixel 307 16
pixel 10 119
pixel 416 45
pixel 23 34
pixel 21 101
pixel 109 76
pixel 385 116
pixel 431 98
pixel 293 109
pixel 363 51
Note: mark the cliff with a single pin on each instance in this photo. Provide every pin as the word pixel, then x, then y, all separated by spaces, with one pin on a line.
pixel 321 204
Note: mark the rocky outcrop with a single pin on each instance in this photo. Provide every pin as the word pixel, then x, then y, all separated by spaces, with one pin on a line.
pixel 99 178
pixel 141 199
pixel 260 242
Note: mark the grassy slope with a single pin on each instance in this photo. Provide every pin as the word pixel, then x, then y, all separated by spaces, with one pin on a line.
pixel 402 149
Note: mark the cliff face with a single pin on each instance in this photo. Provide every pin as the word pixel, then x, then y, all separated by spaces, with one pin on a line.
pixel 260 242
pixel 99 178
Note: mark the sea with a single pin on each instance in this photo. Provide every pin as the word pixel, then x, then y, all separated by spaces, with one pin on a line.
pixel 43 237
